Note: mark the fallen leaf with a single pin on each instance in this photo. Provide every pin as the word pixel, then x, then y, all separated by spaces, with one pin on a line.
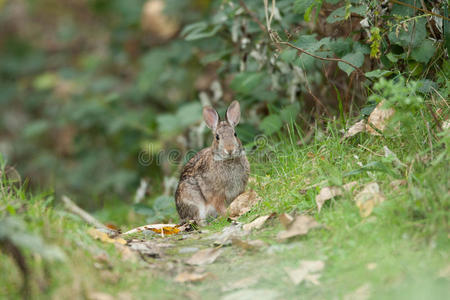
pixel 163 229
pixel 309 270
pixel 355 129
pixel 362 293
pixel 301 226
pixel 368 198
pixel 225 236
pixel 327 193
pixel 243 203
pixel 102 236
pixel 248 245
pixel 285 219
pixel 371 266
pixel 126 253
pixel 379 118
pixel 251 294
pixel 147 248
pixel 205 256
pixel 257 223
pixel 191 277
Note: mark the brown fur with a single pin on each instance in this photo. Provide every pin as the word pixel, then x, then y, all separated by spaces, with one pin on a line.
pixel 216 175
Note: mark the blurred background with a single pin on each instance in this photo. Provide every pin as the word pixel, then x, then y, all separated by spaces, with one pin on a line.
pixel 95 94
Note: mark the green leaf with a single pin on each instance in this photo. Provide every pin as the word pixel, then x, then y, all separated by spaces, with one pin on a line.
pixel 246 82
pixel 378 73
pixel 355 58
pixel 340 13
pixel 301 6
pixel 424 52
pixel 288 55
pixel 270 124
pixel 290 112
pixel 413 37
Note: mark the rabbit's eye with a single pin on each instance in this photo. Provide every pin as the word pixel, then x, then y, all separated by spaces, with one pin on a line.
pixel 235 134
pixel 217 137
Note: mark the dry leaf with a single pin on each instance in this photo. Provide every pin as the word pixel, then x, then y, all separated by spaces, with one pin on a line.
pixel 102 236
pixel 147 248
pixel 355 129
pixel 368 198
pixel 379 118
pixel 362 293
pixel 205 256
pixel 126 253
pixel 371 266
pixel 285 219
pixel 251 294
pixel 309 270
pixel 243 203
pixel 397 183
pixel 191 277
pixel 163 229
pixel 240 284
pixel 257 223
pixel 327 193
pixel 301 226
pixel 224 237
pixel 248 245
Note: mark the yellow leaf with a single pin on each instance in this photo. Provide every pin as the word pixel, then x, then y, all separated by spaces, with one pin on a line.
pixel 102 236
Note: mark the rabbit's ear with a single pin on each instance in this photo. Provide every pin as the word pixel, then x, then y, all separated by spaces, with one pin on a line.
pixel 234 113
pixel 211 117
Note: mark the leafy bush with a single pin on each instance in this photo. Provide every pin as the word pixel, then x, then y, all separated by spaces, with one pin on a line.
pixel 86 87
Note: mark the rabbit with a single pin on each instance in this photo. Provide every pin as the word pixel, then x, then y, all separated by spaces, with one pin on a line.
pixel 216 175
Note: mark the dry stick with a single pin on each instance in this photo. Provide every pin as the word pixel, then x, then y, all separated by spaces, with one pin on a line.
pixel 417 8
pixel 75 209
pixel 435 118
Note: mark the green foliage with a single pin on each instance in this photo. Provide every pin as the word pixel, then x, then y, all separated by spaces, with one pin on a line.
pixel 85 93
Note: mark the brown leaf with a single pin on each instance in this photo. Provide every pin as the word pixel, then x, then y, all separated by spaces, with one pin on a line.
pixel 309 270
pixel 224 237
pixel 248 245
pixel 102 236
pixel 395 185
pixel 362 293
pixel 301 226
pixel 327 193
pixel 147 248
pixel 257 223
pixel 379 118
pixel 205 256
pixel 163 229
pixel 368 198
pixel 285 219
pixel 243 203
pixel 126 253
pixel 191 277
pixel 355 129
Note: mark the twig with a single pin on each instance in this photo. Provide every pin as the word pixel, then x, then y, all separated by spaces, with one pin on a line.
pixel 252 15
pixel 435 118
pixel 322 58
pixel 421 9
pixel 75 209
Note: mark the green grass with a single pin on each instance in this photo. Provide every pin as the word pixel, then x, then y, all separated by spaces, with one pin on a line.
pixel 406 236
